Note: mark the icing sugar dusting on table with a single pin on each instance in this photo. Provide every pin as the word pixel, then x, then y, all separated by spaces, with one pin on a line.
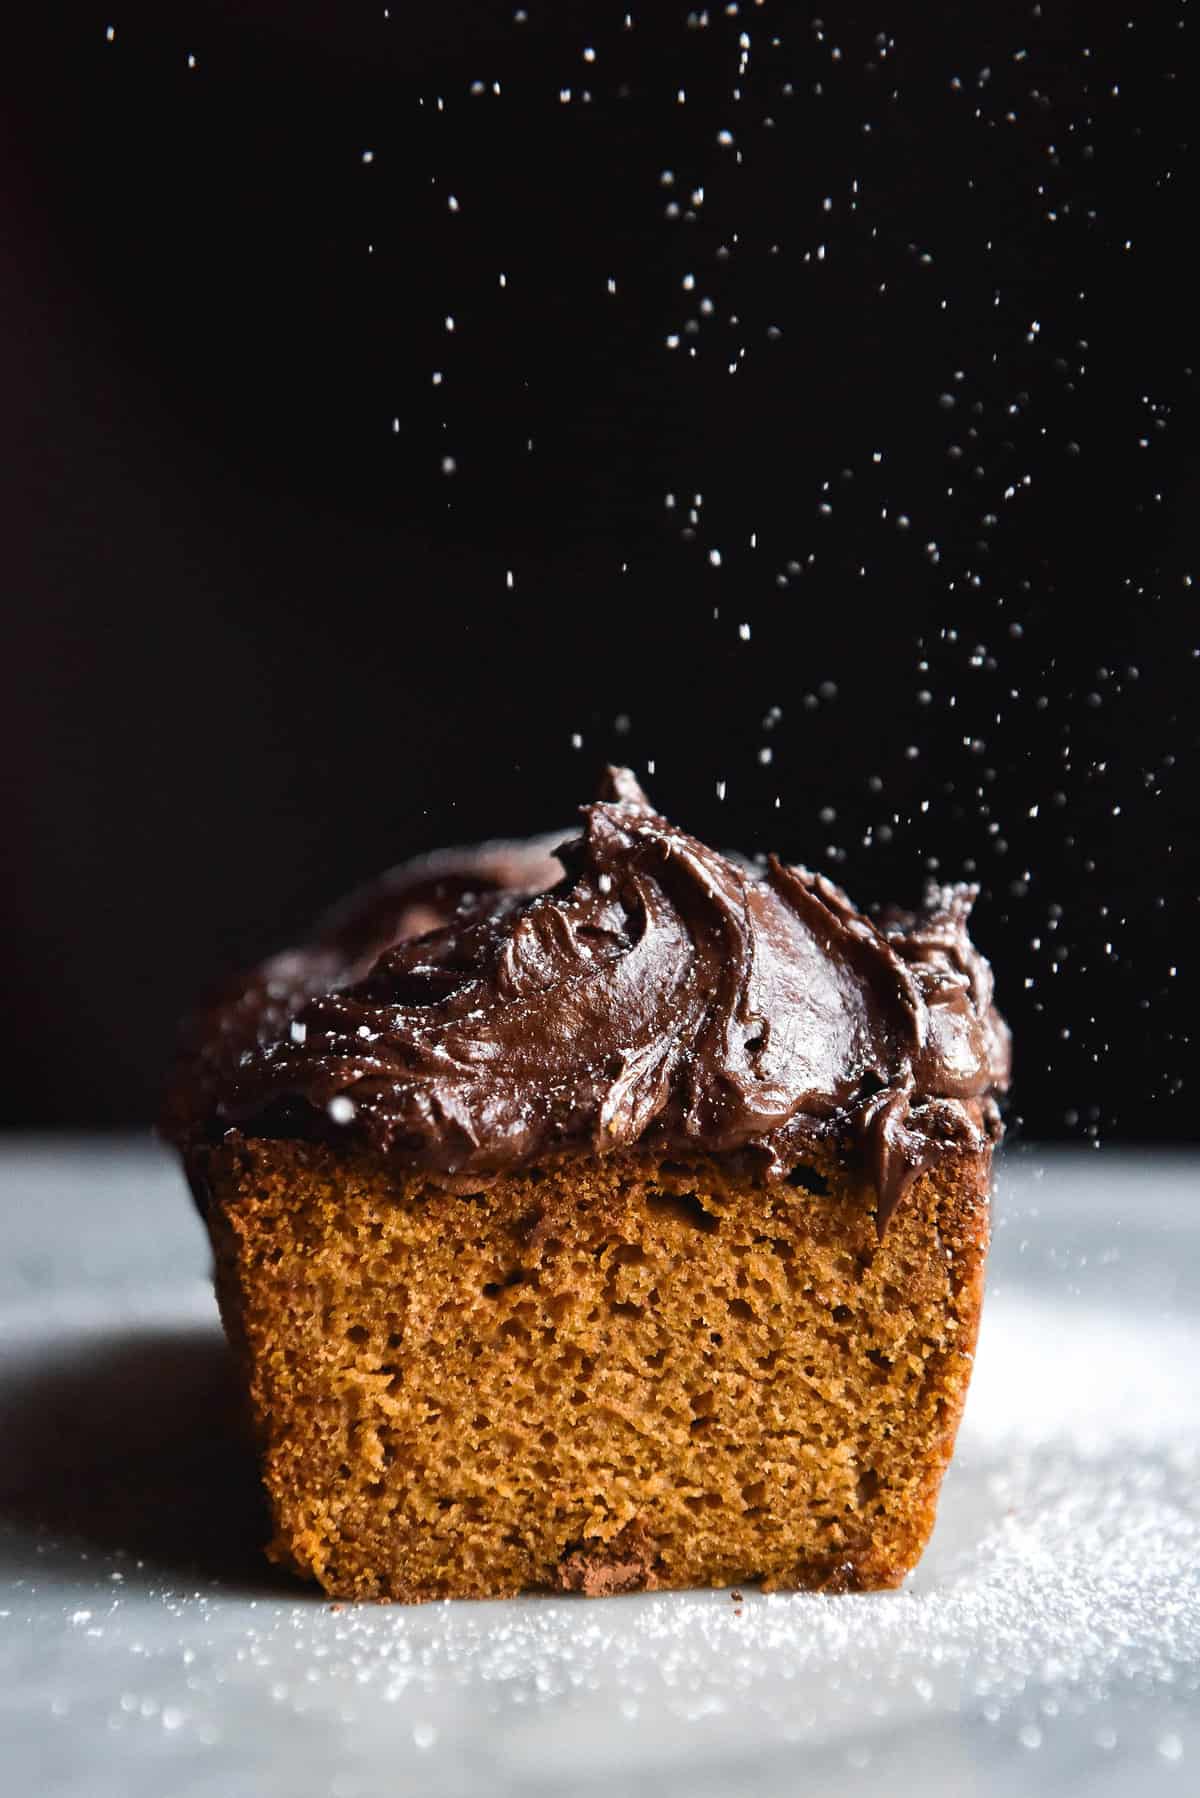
pixel 1056 1612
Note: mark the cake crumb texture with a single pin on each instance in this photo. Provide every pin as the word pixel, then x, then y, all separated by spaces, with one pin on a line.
pixel 596 1375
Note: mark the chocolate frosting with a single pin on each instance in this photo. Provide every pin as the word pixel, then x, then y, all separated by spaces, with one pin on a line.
pixel 660 994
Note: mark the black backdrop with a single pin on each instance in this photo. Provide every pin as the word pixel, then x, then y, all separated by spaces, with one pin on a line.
pixel 816 423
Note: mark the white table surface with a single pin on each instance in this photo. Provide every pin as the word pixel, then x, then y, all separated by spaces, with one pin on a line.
pixel 1049 1640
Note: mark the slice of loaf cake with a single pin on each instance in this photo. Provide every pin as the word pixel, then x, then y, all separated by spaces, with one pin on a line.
pixel 626 1234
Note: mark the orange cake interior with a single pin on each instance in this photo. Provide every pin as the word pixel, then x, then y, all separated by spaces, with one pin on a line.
pixel 596 1374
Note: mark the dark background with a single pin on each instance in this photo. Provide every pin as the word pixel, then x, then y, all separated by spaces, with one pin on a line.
pixel 920 336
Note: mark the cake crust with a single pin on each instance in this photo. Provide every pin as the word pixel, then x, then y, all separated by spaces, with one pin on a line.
pixel 597 1377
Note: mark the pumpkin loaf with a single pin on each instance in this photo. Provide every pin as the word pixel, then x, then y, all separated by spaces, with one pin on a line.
pixel 605 1222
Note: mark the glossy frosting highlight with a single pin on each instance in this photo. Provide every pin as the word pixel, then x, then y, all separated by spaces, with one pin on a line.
pixel 661 994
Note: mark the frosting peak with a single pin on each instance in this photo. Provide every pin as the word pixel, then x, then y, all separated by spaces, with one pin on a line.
pixel 660 993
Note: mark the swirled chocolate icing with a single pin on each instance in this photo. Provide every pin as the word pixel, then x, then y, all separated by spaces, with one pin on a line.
pixel 660 993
